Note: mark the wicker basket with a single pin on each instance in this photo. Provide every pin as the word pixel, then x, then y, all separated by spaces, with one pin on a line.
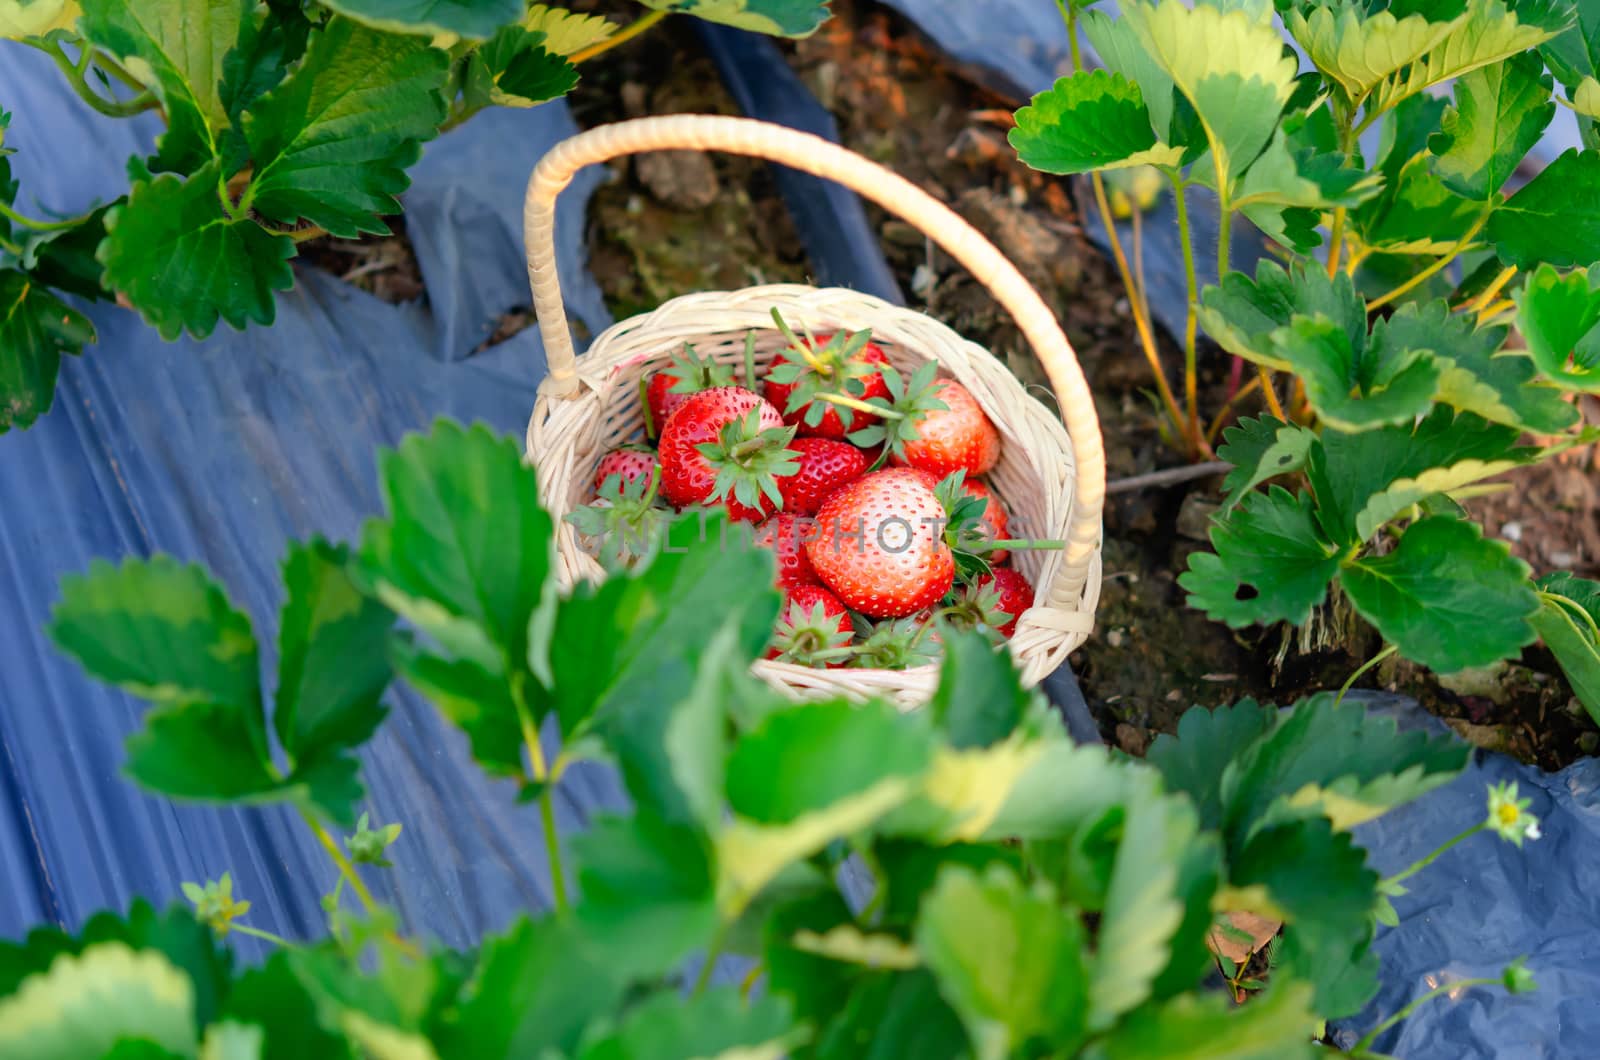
pixel 1051 479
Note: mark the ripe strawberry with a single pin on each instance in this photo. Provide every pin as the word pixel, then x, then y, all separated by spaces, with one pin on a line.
pixel 726 445
pixel 814 629
pixel 687 373
pixel 825 465
pixel 844 366
pixel 786 534
pixel 958 437
pixel 623 523
pixel 1003 594
pixel 634 463
pixel 995 518
pixel 879 547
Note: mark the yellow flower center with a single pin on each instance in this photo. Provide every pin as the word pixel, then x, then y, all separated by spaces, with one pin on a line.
pixel 1509 813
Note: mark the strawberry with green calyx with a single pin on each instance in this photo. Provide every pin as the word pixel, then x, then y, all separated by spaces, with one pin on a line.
pixel 956 436
pixel 908 402
pixel 825 465
pixel 992 603
pixel 726 446
pixel 879 545
pixel 973 539
pixel 786 535
pixel 625 523
pixel 813 630
pixel 633 463
pixel 827 386
pixel 897 644
pixel 995 519
pixel 687 374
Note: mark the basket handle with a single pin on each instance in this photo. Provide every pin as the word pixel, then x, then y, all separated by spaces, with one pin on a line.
pixel 822 158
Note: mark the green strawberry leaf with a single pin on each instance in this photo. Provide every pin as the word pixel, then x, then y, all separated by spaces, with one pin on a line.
pixel 567 32
pixel 164 632
pixel 1348 471
pixel 1568 620
pixel 516 68
pixel 807 776
pixel 1489 32
pixel 1308 179
pixel 36 330
pixel 1554 218
pixel 1445 597
pixel 1260 449
pixel 87 1002
pixel 1343 969
pixel 465 550
pixel 1359 52
pixel 622 651
pixel 1119 48
pixel 1476 375
pixel 980 699
pixel 1416 213
pixel 270 42
pixel 272 995
pixel 1229 66
pixel 1560 318
pixel 472 698
pixel 780 18
pixel 21 19
pixel 1008 959
pixel 184 262
pixel 64 258
pixel 1574 54
pixel 889 1017
pixel 1316 880
pixel 716 1023
pixel 1207 740
pixel 535 990
pixel 649 891
pixel 472 19
pixel 1089 121
pixel 1499 114
pixel 1154 893
pixel 1278 1024
pixel 332 664
pixel 1271 563
pixel 331 144
pixel 1348 389
pixel 189 946
pixel 176 51
pixel 1242 314
pixel 1321 757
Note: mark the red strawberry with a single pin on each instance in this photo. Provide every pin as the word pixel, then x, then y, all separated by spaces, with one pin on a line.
pixel 688 373
pixel 995 519
pixel 802 378
pixel 634 463
pixel 958 437
pixel 726 445
pixel 1005 593
pixel 786 534
pixel 879 545
pixel 813 629
pixel 825 465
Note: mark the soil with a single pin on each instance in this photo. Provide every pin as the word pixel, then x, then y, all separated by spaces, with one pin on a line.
pixel 898 102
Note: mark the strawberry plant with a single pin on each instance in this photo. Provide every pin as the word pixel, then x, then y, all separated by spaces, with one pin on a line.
pixel 1426 318
pixel 285 120
pixel 1028 896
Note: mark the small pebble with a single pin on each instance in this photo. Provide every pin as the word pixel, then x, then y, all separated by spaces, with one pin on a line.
pixel 1512 531
pixel 1114 638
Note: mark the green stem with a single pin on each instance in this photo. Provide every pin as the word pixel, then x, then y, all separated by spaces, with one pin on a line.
pixel 1432 270
pixel 1443 988
pixel 547 813
pixel 346 869
pixel 1422 863
pixel 1021 544
pixel 750 360
pixel 712 953
pixel 1363 668
pixel 622 36
pixel 40 226
pixel 70 70
pixel 277 940
pixel 861 406
pixel 1191 323
pixel 10 247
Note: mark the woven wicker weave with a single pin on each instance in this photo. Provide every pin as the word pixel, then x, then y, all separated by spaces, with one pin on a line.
pixel 1051 479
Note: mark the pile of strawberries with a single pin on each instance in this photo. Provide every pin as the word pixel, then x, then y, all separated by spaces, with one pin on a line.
pixel 863 482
